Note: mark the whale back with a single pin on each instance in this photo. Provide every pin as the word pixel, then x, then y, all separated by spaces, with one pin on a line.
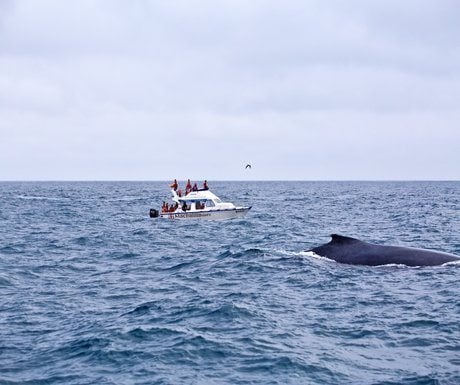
pixel 341 239
pixel 356 252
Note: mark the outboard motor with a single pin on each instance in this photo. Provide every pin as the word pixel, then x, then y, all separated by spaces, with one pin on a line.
pixel 154 213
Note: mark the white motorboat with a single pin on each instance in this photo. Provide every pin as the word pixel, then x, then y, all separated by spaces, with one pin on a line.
pixel 200 204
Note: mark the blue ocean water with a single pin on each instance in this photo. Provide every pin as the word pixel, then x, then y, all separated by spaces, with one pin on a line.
pixel 93 291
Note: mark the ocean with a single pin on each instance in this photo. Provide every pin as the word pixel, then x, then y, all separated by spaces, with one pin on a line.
pixel 94 291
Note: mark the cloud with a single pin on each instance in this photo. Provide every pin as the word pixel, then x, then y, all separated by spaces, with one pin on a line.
pixel 111 83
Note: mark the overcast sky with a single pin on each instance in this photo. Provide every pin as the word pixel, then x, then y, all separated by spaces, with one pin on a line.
pixel 301 89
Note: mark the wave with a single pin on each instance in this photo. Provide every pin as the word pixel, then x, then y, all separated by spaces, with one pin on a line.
pixel 5 282
pixel 144 308
pixel 52 379
pixel 82 347
pixel 42 198
pixel 142 334
pixel 123 255
pixel 230 311
pixel 243 253
pixel 11 249
pixel 178 266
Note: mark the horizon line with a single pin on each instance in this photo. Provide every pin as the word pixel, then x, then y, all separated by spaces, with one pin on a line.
pixel 222 180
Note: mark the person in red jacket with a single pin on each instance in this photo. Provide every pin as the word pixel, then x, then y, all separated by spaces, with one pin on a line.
pixel 174 185
pixel 188 187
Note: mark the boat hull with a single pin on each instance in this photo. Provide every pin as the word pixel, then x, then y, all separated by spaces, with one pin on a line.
pixel 237 212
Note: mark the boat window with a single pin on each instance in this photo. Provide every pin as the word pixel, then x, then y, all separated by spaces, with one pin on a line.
pixel 218 200
pixel 210 204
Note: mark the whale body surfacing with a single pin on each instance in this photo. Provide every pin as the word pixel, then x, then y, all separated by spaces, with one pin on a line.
pixel 355 252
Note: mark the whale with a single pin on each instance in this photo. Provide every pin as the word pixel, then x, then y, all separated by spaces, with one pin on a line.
pixel 353 251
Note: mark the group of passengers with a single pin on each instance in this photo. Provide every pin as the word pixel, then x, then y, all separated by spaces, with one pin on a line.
pixel 166 208
pixel 188 188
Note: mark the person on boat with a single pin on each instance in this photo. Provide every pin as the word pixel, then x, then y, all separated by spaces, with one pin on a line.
pixel 195 187
pixel 174 185
pixel 179 192
pixel 205 185
pixel 163 207
pixel 166 207
pixel 188 187
pixel 184 206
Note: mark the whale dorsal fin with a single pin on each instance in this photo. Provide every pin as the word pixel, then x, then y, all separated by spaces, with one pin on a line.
pixel 336 238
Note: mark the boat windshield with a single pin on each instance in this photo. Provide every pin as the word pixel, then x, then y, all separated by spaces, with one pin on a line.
pixel 210 203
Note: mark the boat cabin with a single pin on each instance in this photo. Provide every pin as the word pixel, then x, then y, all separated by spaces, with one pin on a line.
pixel 200 200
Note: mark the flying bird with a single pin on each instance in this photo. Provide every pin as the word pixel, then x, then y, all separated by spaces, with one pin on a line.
pixel 248 166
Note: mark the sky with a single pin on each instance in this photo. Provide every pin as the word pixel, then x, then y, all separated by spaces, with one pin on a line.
pixel 299 89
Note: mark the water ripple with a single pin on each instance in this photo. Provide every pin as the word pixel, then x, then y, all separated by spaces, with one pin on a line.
pixel 92 290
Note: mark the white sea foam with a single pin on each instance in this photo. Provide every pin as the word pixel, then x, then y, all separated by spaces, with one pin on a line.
pixel 309 254
pixel 312 254
pixel 398 265
pixel 452 263
pixel 286 252
pixel 41 198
